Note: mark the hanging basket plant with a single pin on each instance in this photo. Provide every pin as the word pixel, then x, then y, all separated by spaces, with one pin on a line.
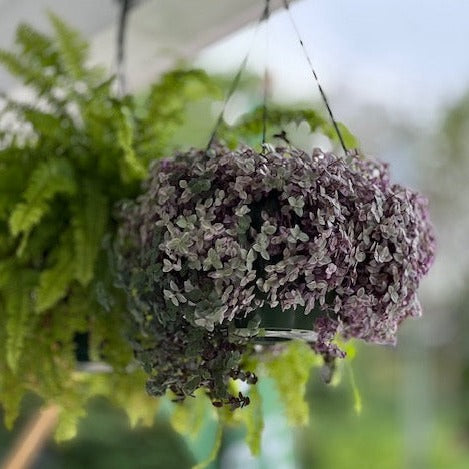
pixel 225 253
pixel 226 248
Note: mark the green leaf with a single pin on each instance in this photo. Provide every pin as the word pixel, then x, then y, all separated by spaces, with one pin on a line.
pixel 291 371
pixel 19 307
pixel 349 139
pixel 254 420
pixel 73 48
pixel 357 399
pixel 25 217
pixel 11 393
pixel 90 218
pixel 67 426
pixel 131 167
pixel 250 126
pixel 23 69
pixel 165 106
pixel 12 175
pixel 48 179
pixel 55 281
pixel 35 45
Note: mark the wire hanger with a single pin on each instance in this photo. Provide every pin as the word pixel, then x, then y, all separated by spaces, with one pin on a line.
pixel 265 16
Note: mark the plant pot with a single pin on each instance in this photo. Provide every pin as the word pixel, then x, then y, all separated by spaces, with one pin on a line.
pixel 279 326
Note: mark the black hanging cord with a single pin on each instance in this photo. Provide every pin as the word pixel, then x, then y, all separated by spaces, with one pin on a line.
pixel 121 28
pixel 266 16
pixel 321 91
pixel 236 79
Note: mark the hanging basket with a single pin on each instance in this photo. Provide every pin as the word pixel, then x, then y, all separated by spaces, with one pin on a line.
pixel 226 249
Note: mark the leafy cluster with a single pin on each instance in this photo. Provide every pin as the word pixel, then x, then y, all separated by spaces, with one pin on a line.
pixel 67 155
pixel 219 234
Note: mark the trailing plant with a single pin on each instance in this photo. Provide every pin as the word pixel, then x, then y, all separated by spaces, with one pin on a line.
pixel 221 235
pixel 67 155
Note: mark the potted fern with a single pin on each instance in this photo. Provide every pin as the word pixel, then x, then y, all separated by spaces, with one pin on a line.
pixel 67 157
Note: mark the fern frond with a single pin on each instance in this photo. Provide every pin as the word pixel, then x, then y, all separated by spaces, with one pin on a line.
pixel 19 308
pixel 11 180
pixel 165 108
pixel 28 74
pixel 36 46
pixel 73 48
pixel 26 216
pixel 131 166
pixel 12 392
pixel 48 179
pixel 90 218
pixel 44 124
pixel 55 281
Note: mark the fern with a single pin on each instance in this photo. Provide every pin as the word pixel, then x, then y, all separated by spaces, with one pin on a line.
pixel 37 47
pixel 73 49
pixel 21 68
pixel 50 178
pixel 131 167
pixel 11 394
pixel 54 282
pixel 63 168
pixel 18 308
pixel 165 107
pixel 88 224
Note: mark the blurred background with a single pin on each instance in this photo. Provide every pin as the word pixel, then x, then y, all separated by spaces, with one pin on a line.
pixel 397 74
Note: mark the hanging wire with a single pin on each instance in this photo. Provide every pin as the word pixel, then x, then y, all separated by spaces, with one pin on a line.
pixel 234 84
pixel 120 49
pixel 321 91
pixel 266 16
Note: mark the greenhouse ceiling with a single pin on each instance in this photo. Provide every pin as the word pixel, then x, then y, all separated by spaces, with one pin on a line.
pixel 160 32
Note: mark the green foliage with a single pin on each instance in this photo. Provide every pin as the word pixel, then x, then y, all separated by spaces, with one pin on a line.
pixel 89 226
pixel 46 181
pixel 72 48
pixel 254 421
pixel 291 371
pixel 18 308
pixel 54 282
pixel 73 153
pixel 250 126
pixel 164 109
